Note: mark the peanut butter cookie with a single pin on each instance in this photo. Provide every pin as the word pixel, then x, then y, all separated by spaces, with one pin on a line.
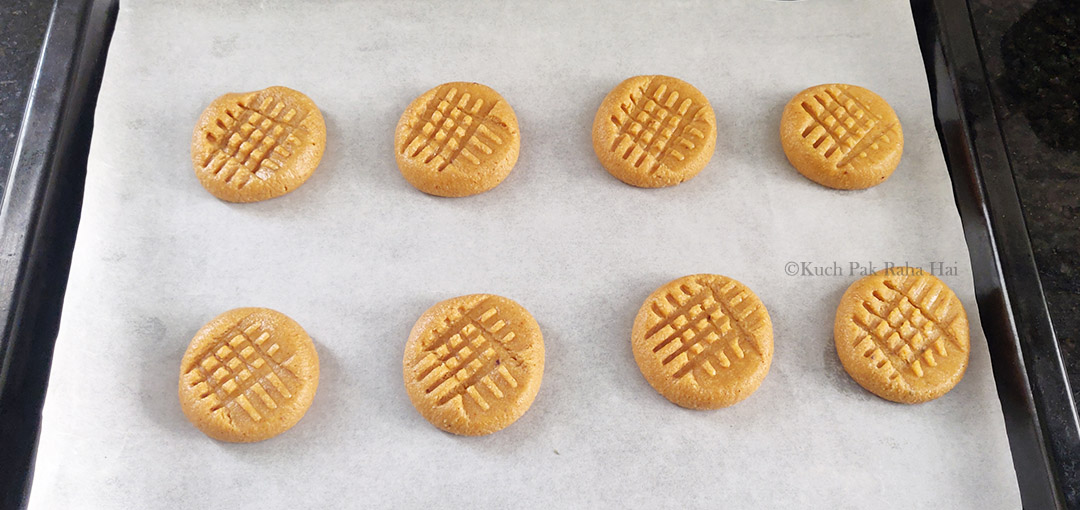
pixel 703 341
pixel 841 136
pixel 473 364
pixel 902 334
pixel 457 139
pixel 258 145
pixel 248 375
pixel 654 131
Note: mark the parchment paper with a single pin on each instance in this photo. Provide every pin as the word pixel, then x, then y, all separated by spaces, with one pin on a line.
pixel 356 255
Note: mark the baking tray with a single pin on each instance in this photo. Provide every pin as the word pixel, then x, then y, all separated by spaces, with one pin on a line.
pixel 41 207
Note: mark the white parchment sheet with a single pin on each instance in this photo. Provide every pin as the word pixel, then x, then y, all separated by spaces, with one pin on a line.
pixel 356 255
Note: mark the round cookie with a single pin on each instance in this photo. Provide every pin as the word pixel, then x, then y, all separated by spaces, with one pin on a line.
pixel 248 375
pixel 654 131
pixel 703 341
pixel 258 145
pixel 473 364
pixel 902 334
pixel 456 140
pixel 841 136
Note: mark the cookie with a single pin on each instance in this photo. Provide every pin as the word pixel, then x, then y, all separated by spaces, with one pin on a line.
pixel 654 131
pixel 248 375
pixel 841 136
pixel 703 341
pixel 473 364
pixel 902 334
pixel 258 145
pixel 456 140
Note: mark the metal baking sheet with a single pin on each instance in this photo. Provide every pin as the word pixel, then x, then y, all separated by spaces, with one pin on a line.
pixel 356 254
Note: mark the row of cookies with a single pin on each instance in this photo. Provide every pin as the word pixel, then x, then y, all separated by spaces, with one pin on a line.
pixel 473 365
pixel 460 139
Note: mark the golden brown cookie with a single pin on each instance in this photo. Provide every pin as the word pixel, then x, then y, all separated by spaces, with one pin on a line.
pixel 703 341
pixel 841 136
pixel 473 364
pixel 903 335
pixel 456 140
pixel 258 145
pixel 654 131
pixel 248 375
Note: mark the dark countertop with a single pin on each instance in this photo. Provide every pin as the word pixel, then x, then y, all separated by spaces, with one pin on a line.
pixel 22 29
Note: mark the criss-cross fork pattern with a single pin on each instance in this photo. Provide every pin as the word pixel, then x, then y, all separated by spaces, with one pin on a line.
pixel 702 328
pixel 906 327
pixel 254 141
pixel 843 123
pixel 453 127
pixel 246 369
pixel 464 359
pixel 656 128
